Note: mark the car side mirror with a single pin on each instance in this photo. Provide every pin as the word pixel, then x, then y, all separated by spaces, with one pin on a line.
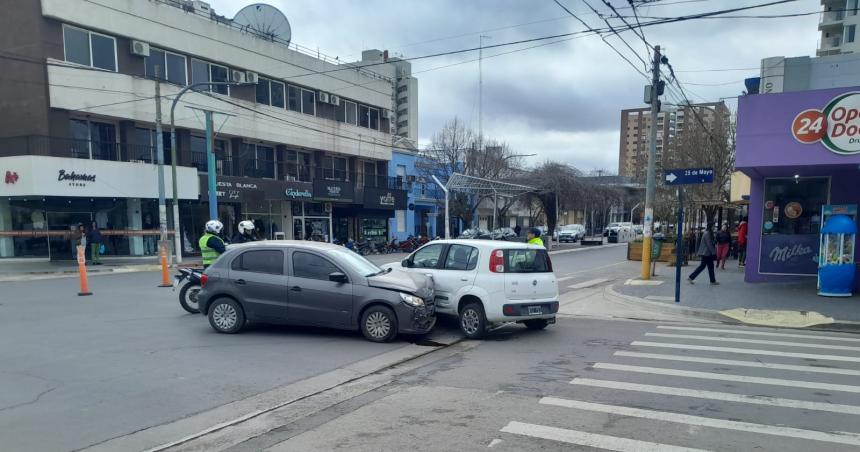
pixel 405 263
pixel 337 277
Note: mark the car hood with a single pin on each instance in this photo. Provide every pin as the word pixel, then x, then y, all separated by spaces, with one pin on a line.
pixel 399 280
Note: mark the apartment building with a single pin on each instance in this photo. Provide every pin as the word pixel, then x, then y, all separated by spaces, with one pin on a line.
pixel 302 141
pixel 838 27
pixel 635 132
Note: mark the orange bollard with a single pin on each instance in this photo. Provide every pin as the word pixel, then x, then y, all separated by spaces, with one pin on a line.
pixel 82 271
pixel 165 276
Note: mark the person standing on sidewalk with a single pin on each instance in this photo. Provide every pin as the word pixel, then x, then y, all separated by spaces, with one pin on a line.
pixel 95 240
pixel 707 252
pixel 742 242
pixel 724 242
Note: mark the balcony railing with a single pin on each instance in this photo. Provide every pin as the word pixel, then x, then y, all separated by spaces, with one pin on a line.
pixel 72 148
pixel 832 16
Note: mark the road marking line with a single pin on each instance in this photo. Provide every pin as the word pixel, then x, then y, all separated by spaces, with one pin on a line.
pixel 744 351
pixel 564 278
pixel 729 377
pixel 733 362
pixel 589 283
pixel 643 282
pixel 590 439
pixel 849 438
pixel 758 333
pixel 724 396
pixel 754 341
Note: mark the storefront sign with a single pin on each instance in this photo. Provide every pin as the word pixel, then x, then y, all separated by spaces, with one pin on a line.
pixel 333 190
pixel 36 175
pixel 789 254
pixel 380 198
pixel 837 126
pixel 299 192
pixel 243 189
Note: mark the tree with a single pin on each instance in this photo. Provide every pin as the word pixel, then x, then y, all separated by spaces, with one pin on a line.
pixel 707 141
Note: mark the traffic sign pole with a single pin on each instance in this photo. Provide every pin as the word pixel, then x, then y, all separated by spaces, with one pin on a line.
pixel 679 245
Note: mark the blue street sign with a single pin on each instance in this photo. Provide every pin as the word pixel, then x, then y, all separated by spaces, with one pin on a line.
pixel 688 176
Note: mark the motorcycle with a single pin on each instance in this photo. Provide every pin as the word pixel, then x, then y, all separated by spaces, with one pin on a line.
pixel 188 292
pixel 364 247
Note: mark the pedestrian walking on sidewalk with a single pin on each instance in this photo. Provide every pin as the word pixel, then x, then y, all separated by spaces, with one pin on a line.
pixel 95 240
pixel 742 242
pixel 707 253
pixel 724 242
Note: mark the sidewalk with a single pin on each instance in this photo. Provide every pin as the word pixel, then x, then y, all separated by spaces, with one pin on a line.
pixel 734 293
pixel 27 270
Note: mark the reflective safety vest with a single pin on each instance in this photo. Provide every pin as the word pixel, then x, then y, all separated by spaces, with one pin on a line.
pixel 209 254
pixel 536 241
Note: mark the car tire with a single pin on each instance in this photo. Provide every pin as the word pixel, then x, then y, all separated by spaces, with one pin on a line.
pixel 536 324
pixel 226 316
pixel 188 297
pixel 473 321
pixel 379 324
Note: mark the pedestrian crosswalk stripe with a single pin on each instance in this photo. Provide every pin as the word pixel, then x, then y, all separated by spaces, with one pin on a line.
pixel 755 341
pixel 724 396
pixel 729 377
pixel 849 438
pixel 758 333
pixel 734 362
pixel 590 439
pixel 589 283
pixel 750 351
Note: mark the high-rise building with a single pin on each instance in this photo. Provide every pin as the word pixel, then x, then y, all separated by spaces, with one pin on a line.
pixel 838 26
pixel 636 128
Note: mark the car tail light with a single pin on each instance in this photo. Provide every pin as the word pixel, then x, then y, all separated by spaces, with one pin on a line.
pixel 204 278
pixel 497 261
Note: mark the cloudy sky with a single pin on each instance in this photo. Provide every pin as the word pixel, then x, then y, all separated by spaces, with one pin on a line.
pixel 560 101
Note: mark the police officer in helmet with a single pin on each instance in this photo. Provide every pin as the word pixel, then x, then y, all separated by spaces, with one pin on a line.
pixel 246 232
pixel 211 244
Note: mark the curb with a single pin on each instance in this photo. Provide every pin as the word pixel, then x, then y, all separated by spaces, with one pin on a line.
pixel 845 326
pixel 34 276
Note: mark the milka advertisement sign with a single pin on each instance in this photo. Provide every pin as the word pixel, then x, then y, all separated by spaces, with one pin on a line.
pixel 836 126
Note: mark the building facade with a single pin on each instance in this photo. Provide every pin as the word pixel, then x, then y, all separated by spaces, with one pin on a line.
pixel 635 132
pixel 424 213
pixel 838 27
pixel 801 152
pixel 302 142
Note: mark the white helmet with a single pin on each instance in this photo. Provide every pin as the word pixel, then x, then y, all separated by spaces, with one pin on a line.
pixel 214 226
pixel 246 227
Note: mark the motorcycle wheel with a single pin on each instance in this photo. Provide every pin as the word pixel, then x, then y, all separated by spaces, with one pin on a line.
pixel 188 297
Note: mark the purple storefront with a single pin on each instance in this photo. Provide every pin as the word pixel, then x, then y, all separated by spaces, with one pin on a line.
pixel 802 151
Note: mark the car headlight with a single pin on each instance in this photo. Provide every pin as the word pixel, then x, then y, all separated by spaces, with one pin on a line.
pixel 412 300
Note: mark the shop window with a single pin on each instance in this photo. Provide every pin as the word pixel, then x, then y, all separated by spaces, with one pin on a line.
pixel 93 140
pixel 311 266
pixel 260 261
pixel 172 66
pixel 793 206
pixel 89 49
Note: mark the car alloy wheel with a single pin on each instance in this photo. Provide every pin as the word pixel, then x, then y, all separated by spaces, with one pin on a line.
pixel 378 325
pixel 470 320
pixel 224 316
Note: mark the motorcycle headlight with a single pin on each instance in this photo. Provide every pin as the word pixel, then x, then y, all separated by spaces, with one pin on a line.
pixel 412 300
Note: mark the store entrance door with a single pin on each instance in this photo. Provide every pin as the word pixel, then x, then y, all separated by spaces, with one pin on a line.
pixel 62 247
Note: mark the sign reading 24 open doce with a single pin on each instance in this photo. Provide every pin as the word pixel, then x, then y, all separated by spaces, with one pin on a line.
pixel 837 126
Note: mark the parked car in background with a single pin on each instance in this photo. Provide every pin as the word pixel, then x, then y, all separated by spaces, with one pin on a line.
pixel 485 283
pixel 619 232
pixel 475 233
pixel 317 284
pixel 571 233
pixel 504 234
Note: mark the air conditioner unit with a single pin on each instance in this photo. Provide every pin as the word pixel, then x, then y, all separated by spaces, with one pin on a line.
pixel 252 77
pixel 323 97
pixel 327 207
pixel 334 100
pixel 140 48
pixel 237 76
pixel 389 114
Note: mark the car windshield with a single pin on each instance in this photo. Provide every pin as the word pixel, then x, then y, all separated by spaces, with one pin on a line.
pixel 358 263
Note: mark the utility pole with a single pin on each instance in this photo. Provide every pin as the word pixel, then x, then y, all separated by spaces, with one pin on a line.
pixel 481 91
pixel 159 149
pixel 650 182
pixel 210 167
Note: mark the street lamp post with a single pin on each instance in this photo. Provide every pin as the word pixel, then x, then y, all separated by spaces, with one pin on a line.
pixel 176 234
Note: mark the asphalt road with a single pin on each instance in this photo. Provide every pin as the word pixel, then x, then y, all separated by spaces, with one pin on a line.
pixel 128 357
pixel 616 385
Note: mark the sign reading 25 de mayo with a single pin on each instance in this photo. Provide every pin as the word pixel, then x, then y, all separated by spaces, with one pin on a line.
pixel 837 126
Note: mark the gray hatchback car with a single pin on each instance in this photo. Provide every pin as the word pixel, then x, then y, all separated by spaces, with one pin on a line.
pixel 313 283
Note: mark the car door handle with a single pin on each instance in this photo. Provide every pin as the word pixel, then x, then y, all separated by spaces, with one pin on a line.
pixel 296 289
pixel 240 282
pixel 464 279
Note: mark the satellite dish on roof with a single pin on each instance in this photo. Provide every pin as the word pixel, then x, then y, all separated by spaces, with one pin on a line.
pixel 265 20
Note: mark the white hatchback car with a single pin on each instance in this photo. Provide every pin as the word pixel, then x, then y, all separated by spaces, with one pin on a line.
pixel 485 283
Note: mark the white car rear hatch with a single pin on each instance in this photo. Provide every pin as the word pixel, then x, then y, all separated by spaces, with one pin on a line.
pixel 527 271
